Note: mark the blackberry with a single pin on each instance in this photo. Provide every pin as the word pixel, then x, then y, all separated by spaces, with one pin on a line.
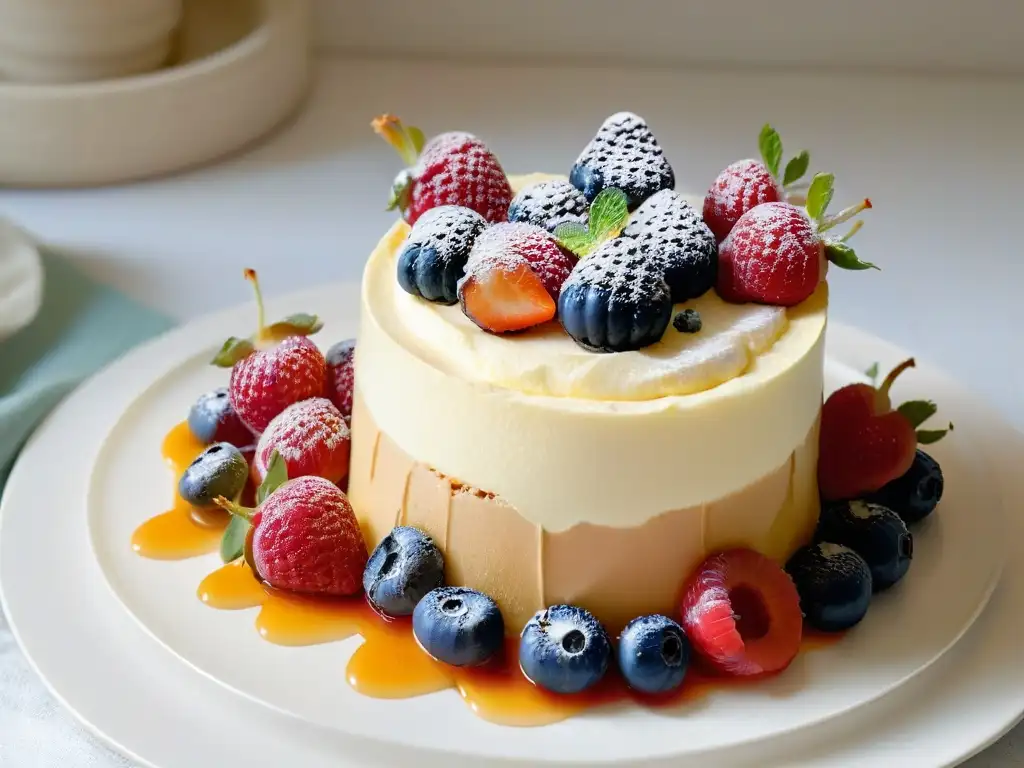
pixel 548 204
pixel 433 256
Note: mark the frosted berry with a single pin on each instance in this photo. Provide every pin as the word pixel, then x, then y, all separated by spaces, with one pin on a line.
pixel 548 204
pixel 433 257
pixel 341 375
pixel 312 438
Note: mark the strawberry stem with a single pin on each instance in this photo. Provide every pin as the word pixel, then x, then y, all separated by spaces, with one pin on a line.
pixel 261 318
pixel 887 382
pixel 235 508
pixel 407 141
pixel 853 230
pixel 844 215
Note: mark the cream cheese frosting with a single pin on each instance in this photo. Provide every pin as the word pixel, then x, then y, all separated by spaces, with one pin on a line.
pixel 568 436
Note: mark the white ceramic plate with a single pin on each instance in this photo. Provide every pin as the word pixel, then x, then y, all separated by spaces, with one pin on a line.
pixel 169 715
pixel 908 629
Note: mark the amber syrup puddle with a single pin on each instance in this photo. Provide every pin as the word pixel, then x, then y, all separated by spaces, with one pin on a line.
pixel 389 664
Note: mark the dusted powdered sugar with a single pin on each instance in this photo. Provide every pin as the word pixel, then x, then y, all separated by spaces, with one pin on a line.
pixel 739 188
pixel 311 436
pixel 773 238
pixel 457 168
pixel 509 246
pixel 548 204
pixel 621 267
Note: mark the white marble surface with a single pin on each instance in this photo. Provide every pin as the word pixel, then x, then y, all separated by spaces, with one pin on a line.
pixel 940 158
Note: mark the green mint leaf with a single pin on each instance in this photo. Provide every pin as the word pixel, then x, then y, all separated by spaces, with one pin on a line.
pixel 232 543
pixel 929 436
pixel 294 325
pixel 574 237
pixel 796 168
pixel 819 195
pixel 917 412
pixel 608 214
pixel 844 257
pixel 770 145
pixel 416 138
pixel 234 349
pixel 872 373
pixel 277 475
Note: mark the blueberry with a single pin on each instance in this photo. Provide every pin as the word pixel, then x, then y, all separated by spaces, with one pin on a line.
pixel 687 321
pixel 220 470
pixel 433 256
pixel 548 204
pixel 654 654
pixel 564 649
pixel 616 299
pixel 834 584
pixel 874 532
pixel 915 495
pixel 623 154
pixel 212 419
pixel 458 626
pixel 404 567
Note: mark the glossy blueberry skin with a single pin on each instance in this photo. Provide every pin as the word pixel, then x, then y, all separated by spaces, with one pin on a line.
pixel 834 584
pixel 212 420
pixel 403 568
pixel 915 495
pixel 654 654
pixel 220 470
pixel 433 257
pixel 458 626
pixel 874 532
pixel 564 649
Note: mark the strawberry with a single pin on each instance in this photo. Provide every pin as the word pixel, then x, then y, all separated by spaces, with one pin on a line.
pixel 274 368
pixel 776 253
pixel 747 183
pixel 453 168
pixel 865 444
pixel 741 611
pixel 341 375
pixel 304 538
pixel 514 274
pixel 312 438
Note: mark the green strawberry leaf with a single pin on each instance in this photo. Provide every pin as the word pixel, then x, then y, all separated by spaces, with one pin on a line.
pixel 293 325
pixel 872 373
pixel 277 475
pixel 574 237
pixel 416 138
pixel 844 257
pixel 819 195
pixel 929 436
pixel 232 543
pixel 608 214
pixel 770 145
pixel 234 349
pixel 796 168
pixel 917 412
pixel 401 191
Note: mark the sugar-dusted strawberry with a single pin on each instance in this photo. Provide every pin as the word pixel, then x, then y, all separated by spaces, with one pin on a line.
pixel 305 538
pixel 513 277
pixel 741 611
pixel 312 438
pixel 454 168
pixel 777 253
pixel 747 183
pixel 273 368
pixel 341 375
pixel 865 444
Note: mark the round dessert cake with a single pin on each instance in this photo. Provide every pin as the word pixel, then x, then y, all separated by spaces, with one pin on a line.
pixel 548 473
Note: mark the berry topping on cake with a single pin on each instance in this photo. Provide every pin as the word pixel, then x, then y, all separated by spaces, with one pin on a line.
pixel 616 299
pixel 564 649
pixel 874 532
pixel 623 154
pixel 671 230
pixel 864 444
pixel 606 219
pixel 654 654
pixel 548 204
pixel 341 375
pixel 513 277
pixel 220 470
pixel 212 420
pixel 458 626
pixel 776 253
pixel 305 538
pixel 404 567
pixel 453 168
pixel 834 584
pixel 687 321
pixel 311 436
pixel 915 494
pixel 742 613
pixel 274 368
pixel 433 257
pixel 748 183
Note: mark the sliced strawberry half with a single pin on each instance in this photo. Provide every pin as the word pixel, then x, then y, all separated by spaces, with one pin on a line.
pixel 504 298
pixel 741 611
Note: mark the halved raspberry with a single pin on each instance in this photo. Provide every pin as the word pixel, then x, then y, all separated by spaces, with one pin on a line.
pixel 500 301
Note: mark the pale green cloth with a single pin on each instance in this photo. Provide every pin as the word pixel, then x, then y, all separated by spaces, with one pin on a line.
pixel 81 326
